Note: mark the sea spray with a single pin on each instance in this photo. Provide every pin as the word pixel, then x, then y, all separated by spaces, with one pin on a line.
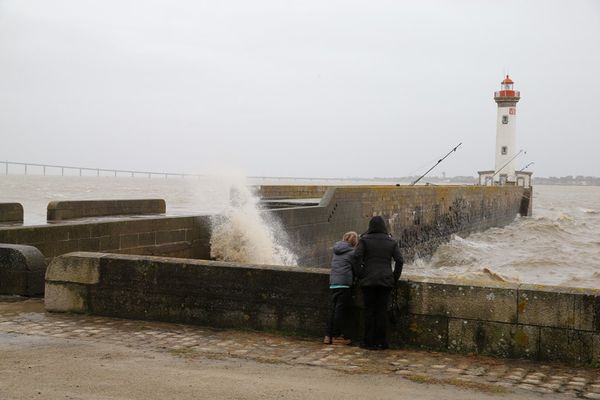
pixel 242 233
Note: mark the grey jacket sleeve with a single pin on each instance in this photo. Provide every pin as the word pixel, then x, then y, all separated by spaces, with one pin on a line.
pixel 397 255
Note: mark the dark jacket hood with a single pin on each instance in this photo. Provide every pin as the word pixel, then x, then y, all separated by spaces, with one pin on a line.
pixel 377 225
pixel 342 247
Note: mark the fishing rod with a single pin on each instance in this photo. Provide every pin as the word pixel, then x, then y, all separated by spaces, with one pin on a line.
pixel 508 162
pixel 527 166
pixel 436 164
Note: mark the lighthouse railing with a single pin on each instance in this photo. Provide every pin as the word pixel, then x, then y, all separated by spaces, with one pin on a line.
pixel 507 93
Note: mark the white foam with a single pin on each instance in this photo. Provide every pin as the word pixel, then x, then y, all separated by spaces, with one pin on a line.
pixel 242 233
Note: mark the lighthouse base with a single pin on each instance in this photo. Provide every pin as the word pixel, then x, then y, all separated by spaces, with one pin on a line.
pixel 491 178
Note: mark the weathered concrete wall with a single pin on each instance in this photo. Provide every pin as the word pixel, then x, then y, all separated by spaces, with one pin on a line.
pixel 62 210
pixel 11 213
pixel 291 191
pixel 22 270
pixel 506 320
pixel 421 217
pixel 164 236
pixel 286 299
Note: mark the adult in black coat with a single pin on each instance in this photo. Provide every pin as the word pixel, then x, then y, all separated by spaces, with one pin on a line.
pixel 373 266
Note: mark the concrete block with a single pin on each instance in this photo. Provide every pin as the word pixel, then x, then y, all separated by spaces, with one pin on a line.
pixel 586 309
pixel 62 210
pixel 80 231
pixel 170 236
pixel 129 241
pixel 76 267
pixel 108 243
pixel 66 297
pixel 11 213
pixel 55 233
pixel 147 238
pixel 29 235
pixel 498 339
pixel 460 299
pixel 566 345
pixel 428 332
pixel 65 246
pixel 88 244
pixel 100 229
pixel 22 270
pixel 559 307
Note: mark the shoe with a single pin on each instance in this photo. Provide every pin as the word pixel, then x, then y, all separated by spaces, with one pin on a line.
pixel 382 346
pixel 340 340
pixel 327 340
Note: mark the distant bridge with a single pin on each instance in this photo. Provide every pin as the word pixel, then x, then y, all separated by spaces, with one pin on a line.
pixel 26 168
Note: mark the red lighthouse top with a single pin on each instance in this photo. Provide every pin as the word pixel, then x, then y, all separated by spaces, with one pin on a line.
pixel 507 81
pixel 507 90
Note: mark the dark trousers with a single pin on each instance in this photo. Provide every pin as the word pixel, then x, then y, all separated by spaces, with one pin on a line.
pixel 376 301
pixel 340 303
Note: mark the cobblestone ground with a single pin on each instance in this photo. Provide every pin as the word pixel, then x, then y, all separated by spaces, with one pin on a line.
pixel 484 373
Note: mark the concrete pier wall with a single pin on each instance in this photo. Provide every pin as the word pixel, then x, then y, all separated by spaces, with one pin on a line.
pixel 63 210
pixel 165 236
pixel 421 217
pixel 506 320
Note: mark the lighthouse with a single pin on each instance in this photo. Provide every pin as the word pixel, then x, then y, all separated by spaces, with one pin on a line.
pixel 506 152
pixel 506 126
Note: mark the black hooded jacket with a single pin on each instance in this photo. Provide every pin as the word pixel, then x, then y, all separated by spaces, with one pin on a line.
pixel 373 256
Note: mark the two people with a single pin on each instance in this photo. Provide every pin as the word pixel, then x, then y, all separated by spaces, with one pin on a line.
pixel 370 262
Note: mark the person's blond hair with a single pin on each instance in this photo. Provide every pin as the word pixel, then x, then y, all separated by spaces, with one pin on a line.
pixel 351 237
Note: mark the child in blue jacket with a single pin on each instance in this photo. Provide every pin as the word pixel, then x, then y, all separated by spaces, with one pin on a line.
pixel 340 288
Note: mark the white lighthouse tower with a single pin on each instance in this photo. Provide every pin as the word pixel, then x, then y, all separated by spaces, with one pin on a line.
pixel 506 137
pixel 506 140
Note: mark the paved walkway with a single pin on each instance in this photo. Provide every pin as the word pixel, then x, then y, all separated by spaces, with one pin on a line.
pixel 480 373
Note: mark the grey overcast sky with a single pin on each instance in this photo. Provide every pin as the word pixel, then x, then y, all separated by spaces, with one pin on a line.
pixel 297 88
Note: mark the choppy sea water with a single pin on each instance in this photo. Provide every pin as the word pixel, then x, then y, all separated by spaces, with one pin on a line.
pixel 560 244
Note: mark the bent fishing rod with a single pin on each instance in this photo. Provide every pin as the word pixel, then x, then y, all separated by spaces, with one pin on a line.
pixel 527 166
pixel 508 162
pixel 436 164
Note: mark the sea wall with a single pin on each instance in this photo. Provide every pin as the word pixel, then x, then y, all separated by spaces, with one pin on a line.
pixel 506 320
pixel 421 217
pixel 62 210
pixel 165 236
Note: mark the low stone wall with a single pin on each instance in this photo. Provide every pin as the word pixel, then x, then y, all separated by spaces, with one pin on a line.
pixel 62 210
pixel 187 236
pixel 11 213
pixel 22 270
pixel 506 320
pixel 285 299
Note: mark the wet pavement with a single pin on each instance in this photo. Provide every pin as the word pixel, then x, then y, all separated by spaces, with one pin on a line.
pixel 475 372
